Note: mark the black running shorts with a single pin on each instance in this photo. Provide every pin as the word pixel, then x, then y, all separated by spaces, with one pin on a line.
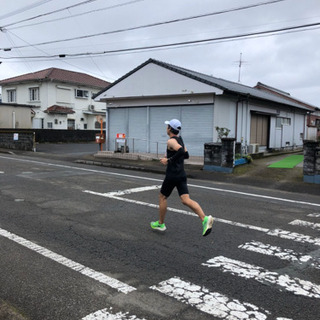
pixel 170 183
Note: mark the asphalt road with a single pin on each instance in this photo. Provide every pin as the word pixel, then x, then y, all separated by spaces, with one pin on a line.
pixel 75 243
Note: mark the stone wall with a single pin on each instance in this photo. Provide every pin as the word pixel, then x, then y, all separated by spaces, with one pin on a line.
pixel 311 163
pixel 220 156
pixel 17 140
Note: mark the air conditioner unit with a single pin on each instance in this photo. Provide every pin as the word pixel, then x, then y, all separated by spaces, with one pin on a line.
pixel 91 107
pixel 254 148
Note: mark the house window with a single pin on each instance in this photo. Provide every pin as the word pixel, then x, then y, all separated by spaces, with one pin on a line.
pixel 34 94
pixel 82 93
pixel 49 124
pixel 283 122
pixel 12 95
pixel 55 121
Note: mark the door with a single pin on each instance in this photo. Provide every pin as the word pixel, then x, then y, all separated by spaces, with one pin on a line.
pixel 259 129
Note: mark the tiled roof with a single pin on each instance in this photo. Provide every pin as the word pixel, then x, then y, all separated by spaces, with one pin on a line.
pixel 225 85
pixel 59 75
pixel 55 109
pixel 275 91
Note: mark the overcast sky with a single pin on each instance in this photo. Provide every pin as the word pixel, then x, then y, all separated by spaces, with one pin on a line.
pixel 288 60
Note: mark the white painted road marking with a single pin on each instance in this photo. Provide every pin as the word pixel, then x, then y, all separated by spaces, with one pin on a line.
pixel 98 276
pixel 307 224
pixel 268 249
pixel 106 314
pixel 132 190
pixel 276 232
pixel 160 180
pixel 283 254
pixel 249 271
pixel 314 215
pixel 213 303
pixel 284 234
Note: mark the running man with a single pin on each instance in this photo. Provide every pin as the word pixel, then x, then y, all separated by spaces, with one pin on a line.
pixel 176 177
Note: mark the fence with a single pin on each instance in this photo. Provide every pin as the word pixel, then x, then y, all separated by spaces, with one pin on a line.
pixel 136 145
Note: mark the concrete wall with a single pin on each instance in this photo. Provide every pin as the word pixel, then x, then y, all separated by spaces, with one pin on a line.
pixel 15 117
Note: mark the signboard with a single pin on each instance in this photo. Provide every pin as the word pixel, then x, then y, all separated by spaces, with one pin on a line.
pixel 15 136
pixel 121 137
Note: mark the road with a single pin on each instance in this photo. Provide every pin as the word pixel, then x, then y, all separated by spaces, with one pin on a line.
pixel 75 243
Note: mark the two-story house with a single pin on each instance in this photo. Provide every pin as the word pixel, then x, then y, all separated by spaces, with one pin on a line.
pixel 62 98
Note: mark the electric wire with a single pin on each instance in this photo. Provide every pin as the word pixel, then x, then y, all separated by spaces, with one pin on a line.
pixel 76 15
pixel 151 25
pixel 256 34
pixel 48 13
pixel 24 9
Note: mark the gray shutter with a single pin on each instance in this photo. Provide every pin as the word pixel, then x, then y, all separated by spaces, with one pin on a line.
pixel 117 124
pixel 138 130
pixel 158 133
pixel 197 127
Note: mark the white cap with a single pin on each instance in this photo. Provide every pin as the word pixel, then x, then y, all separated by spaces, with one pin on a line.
pixel 174 124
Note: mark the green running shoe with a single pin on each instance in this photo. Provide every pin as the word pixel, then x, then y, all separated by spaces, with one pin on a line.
pixel 207 225
pixel 158 226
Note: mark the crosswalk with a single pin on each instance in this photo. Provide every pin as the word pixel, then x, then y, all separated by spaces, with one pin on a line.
pixel 218 304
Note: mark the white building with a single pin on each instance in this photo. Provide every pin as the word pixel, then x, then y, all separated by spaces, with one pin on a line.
pixel 139 102
pixel 63 98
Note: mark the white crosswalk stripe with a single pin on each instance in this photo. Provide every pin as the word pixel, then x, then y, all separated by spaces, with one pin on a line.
pixel 314 215
pixel 283 254
pixel 307 224
pixel 213 303
pixel 249 271
pixel 106 314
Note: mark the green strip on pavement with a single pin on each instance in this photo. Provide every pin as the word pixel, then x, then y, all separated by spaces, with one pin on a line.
pixel 288 162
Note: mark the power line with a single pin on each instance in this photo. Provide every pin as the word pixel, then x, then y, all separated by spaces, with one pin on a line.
pixel 151 25
pixel 23 9
pixel 77 15
pixel 49 13
pixel 299 28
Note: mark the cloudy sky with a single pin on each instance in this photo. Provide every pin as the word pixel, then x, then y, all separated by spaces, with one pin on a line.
pixel 108 38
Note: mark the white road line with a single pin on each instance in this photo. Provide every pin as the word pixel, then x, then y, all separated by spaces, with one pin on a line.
pixel 276 232
pixel 132 190
pixel 249 271
pixel 106 314
pixel 256 195
pixel 213 303
pixel 284 234
pixel 98 276
pixel 160 180
pixel 307 224
pixel 314 215
pixel 269 250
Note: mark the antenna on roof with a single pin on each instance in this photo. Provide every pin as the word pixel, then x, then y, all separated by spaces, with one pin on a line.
pixel 240 65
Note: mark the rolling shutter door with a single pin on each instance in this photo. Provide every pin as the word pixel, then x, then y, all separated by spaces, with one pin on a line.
pixel 197 127
pixel 138 130
pixel 158 134
pixel 117 124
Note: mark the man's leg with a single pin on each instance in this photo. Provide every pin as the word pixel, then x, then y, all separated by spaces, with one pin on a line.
pixel 162 207
pixel 159 225
pixel 193 205
pixel 207 221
